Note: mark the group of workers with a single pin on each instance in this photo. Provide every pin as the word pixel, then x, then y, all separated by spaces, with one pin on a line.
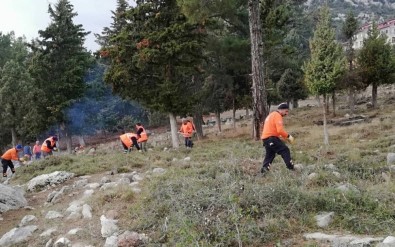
pixel 139 139
pixel 273 137
pixel 11 154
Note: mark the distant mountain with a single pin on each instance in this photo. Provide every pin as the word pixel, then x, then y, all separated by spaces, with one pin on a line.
pixel 365 10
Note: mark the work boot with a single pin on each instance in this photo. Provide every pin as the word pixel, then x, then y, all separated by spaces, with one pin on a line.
pixel 4 175
pixel 265 170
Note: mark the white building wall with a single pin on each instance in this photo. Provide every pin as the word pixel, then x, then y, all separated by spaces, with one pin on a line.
pixel 387 28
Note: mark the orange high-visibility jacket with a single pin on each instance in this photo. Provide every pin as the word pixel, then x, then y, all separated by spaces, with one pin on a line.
pixel 127 139
pixel 143 135
pixel 44 145
pixel 10 154
pixel 274 126
pixel 187 129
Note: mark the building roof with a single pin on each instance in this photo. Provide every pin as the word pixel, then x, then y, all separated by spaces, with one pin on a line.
pixel 380 26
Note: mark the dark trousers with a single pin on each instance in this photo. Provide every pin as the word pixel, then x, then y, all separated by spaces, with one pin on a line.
pixel 188 142
pixel 273 146
pixel 6 164
pixel 135 144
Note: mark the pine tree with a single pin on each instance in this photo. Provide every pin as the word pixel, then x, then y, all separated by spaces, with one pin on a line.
pixel 155 57
pixel 376 61
pixel 59 64
pixel 326 64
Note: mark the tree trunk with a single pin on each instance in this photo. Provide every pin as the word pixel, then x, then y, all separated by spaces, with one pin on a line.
pixel 247 113
pixel 13 137
pixel 197 120
pixel 218 120
pixel 374 94
pixel 259 106
pixel 295 103
pixel 81 140
pixel 67 137
pixel 317 97
pixel 173 129
pixel 334 103
pixel 326 135
pixel 351 100
pixel 234 115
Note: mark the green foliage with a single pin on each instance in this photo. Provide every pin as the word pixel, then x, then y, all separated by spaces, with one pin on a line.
pixel 376 61
pixel 153 58
pixel 59 62
pixel 327 62
pixel 5 47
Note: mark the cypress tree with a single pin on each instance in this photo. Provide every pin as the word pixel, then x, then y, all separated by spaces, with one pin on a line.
pixel 326 64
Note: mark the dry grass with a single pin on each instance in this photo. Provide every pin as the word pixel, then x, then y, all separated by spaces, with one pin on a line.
pixel 217 199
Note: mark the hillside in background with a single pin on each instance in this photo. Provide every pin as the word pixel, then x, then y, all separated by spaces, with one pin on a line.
pixel 364 9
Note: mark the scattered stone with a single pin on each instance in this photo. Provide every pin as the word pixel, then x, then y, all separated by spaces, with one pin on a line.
pixel 390 158
pixel 93 186
pixel 324 219
pixel 312 176
pixel 80 183
pixel 11 198
pixel 74 231
pixel 49 232
pixel 105 180
pixel 347 187
pixel 389 240
pixel 86 211
pixel 27 219
pixel 17 235
pixel 53 215
pixel 187 159
pixel 51 179
pixel 62 242
pixel 337 174
pixel 158 170
pixel 112 242
pixel 108 227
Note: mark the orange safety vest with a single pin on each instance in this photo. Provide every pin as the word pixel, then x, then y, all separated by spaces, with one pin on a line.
pixel 10 154
pixel 187 129
pixel 274 126
pixel 143 135
pixel 44 147
pixel 127 139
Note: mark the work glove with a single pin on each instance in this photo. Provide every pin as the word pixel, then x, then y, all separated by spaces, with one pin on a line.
pixel 291 139
pixel 55 149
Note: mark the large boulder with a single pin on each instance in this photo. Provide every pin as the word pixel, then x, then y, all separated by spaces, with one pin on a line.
pixel 48 179
pixel 17 235
pixel 11 198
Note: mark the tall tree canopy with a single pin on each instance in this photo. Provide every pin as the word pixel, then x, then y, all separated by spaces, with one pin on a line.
pixel 16 90
pixel 59 63
pixel 154 57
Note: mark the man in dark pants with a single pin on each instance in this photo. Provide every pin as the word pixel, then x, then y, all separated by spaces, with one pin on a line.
pixel 273 130
pixel 8 157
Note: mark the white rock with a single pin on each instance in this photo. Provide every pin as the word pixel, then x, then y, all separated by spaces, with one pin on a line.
pixel 53 215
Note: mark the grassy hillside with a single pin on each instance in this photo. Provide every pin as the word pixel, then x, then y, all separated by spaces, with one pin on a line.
pixel 217 199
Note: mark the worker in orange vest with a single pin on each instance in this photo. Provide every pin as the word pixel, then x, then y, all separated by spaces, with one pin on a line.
pixel 143 137
pixel 273 130
pixel 129 140
pixel 7 158
pixel 187 129
pixel 49 145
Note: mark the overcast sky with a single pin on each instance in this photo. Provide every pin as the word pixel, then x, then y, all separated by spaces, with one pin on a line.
pixel 26 17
